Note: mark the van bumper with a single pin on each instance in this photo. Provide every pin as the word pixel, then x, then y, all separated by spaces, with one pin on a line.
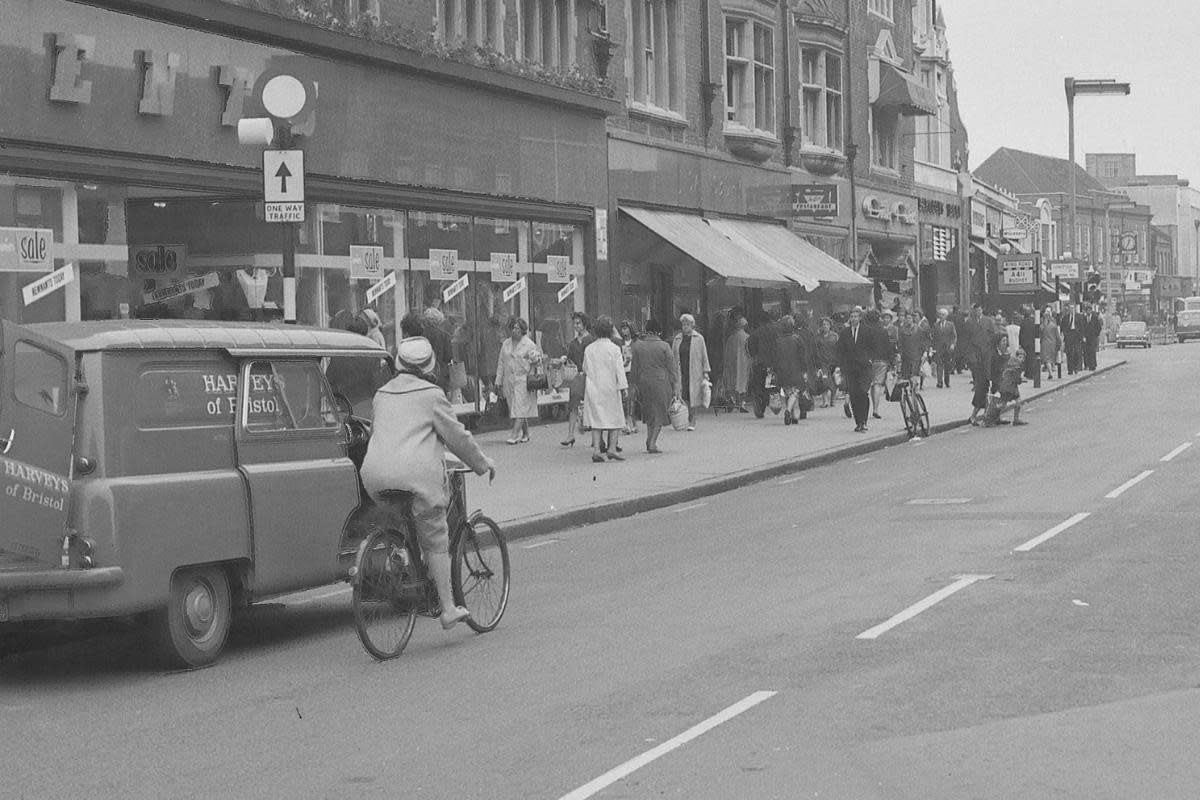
pixel 58 579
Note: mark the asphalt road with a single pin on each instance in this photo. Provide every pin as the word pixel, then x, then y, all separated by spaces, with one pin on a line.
pixel 813 636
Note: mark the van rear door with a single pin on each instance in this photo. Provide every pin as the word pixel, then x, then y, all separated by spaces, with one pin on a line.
pixel 37 430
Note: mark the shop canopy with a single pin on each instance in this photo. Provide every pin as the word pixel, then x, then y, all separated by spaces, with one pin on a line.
pixel 986 249
pixel 903 92
pixel 695 236
pixel 748 254
pixel 802 261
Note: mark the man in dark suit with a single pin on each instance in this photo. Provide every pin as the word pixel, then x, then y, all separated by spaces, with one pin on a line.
pixel 857 345
pixel 761 346
pixel 1093 329
pixel 979 342
pixel 1071 327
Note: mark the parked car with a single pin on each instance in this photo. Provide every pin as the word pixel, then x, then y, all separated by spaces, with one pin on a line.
pixel 176 470
pixel 1133 333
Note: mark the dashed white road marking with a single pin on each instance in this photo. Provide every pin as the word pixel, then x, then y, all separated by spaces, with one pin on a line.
pixel 961 582
pixel 539 544
pixel 1127 484
pixel 687 508
pixel 937 501
pixel 791 480
pixel 632 765
pixel 1055 531
pixel 863 460
pixel 1176 451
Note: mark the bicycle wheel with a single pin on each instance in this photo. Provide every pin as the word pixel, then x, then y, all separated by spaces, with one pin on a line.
pixel 921 413
pixel 909 413
pixel 479 572
pixel 383 622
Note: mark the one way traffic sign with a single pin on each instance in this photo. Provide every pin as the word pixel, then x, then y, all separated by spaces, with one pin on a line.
pixel 283 185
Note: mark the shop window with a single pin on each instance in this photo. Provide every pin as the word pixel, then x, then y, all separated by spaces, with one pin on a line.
pixel 556 252
pixel 750 74
pixel 821 77
pixel 477 22
pixel 883 139
pixel 547 31
pixel 657 55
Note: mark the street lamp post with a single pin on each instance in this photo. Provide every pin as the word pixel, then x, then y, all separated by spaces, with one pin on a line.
pixel 1074 87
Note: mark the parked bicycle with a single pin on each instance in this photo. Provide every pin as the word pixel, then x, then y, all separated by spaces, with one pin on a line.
pixel 912 405
pixel 391 584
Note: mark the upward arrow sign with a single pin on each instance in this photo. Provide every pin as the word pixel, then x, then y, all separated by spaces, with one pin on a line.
pixel 283 173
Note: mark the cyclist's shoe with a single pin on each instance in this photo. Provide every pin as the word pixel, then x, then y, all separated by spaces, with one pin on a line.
pixel 454 616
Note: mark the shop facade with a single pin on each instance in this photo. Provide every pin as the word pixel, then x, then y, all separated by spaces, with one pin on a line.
pixel 475 191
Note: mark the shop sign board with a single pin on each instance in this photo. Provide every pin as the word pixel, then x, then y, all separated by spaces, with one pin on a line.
pixel 375 291
pixel 567 290
pixel 455 289
pixel 366 262
pixel 443 265
pixel 26 249
pixel 189 286
pixel 1064 270
pixel 1020 273
pixel 558 269
pixel 504 267
pixel 602 234
pixel 814 200
pixel 49 284
pixel 514 289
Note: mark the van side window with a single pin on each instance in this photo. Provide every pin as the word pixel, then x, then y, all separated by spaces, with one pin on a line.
pixel 288 395
pixel 41 378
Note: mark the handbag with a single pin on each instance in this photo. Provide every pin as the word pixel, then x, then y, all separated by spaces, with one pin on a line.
pixel 847 409
pixel 677 412
pixel 806 401
pixel 536 381
pixel 706 393
pixel 775 402
pixel 892 386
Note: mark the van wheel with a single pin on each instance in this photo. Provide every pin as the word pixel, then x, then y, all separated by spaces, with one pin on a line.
pixel 191 631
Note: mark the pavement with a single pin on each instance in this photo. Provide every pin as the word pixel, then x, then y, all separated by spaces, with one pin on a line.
pixel 542 487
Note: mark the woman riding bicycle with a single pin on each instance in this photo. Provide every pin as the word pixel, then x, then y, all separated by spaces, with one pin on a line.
pixel 412 428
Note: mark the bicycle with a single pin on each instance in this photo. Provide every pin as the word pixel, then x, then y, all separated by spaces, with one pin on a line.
pixel 391 584
pixel 912 405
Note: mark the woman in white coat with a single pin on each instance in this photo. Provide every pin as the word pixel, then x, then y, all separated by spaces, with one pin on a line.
pixel 604 393
pixel 692 354
pixel 518 356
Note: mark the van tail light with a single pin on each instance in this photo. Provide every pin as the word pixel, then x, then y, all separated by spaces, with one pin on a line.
pixel 85 551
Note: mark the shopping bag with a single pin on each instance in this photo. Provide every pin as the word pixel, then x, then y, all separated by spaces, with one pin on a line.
pixel 806 401
pixel 678 414
pixel 458 375
pixel 775 402
pixel 706 393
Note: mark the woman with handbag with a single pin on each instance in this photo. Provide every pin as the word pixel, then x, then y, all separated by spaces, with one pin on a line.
pixel 518 358
pixel 791 371
pixel 655 373
pixel 826 352
pixel 604 394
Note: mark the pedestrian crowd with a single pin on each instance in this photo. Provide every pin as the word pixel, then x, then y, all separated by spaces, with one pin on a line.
pixel 618 378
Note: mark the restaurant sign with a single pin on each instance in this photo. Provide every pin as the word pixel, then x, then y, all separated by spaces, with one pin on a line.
pixel 814 200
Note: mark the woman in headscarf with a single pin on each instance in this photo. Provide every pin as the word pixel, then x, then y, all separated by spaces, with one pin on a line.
pixel 655 372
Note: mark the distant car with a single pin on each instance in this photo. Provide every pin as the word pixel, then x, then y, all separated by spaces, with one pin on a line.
pixel 1131 333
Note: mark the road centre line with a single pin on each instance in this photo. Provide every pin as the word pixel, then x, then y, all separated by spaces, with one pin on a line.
pixel 961 582
pixel 791 480
pixel 1176 451
pixel 687 508
pixel 632 765
pixel 1055 531
pixel 1115 493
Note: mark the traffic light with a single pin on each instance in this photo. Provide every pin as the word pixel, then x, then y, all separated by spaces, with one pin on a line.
pixel 1091 287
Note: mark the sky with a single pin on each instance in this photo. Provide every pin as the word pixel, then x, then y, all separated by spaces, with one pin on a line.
pixel 1010 60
